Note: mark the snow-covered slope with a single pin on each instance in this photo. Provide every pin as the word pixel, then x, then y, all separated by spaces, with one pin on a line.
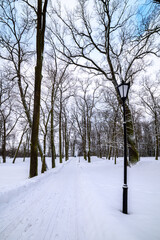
pixel 80 201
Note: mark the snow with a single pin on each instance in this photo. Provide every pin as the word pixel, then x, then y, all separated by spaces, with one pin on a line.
pixel 80 201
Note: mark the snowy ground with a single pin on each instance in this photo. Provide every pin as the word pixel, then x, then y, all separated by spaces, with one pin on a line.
pixel 80 201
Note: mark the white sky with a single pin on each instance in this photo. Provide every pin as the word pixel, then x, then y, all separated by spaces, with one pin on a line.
pixel 67 3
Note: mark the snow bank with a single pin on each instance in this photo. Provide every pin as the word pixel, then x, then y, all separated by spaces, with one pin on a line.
pixel 14 178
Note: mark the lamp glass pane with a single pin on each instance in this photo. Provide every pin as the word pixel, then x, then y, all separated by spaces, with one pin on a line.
pixel 125 87
pixel 121 91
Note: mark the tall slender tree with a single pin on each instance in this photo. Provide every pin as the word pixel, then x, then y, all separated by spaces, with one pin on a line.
pixel 150 100
pixel 14 42
pixel 41 26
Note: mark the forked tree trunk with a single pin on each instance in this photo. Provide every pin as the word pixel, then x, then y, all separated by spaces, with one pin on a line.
pixel 20 142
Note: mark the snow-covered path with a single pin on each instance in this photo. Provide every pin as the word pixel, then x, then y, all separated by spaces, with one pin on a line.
pixel 77 202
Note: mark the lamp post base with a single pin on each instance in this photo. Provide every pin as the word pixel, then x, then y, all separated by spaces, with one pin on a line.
pixel 125 199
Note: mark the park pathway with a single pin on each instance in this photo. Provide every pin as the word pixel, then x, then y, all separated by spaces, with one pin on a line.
pixel 64 205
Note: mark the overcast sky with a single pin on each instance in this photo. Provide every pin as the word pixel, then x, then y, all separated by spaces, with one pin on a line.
pixel 68 3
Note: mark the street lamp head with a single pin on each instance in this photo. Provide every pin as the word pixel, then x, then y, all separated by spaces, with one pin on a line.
pixel 123 90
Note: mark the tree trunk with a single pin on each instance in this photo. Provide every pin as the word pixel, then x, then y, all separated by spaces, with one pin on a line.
pixel 52 132
pixel 99 150
pixel 66 140
pixel 53 153
pixel 24 153
pixel 116 150
pixel 66 150
pixel 63 140
pixel 15 156
pixel 60 129
pixel 156 138
pixel 26 108
pixel 73 148
pixel 4 142
pixel 133 152
pixel 107 150
pixel 44 167
pixel 89 138
pixel 84 137
pixel 41 18
pixel 115 159
pixel 110 152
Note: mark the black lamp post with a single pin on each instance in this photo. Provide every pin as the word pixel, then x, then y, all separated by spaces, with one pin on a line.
pixel 123 90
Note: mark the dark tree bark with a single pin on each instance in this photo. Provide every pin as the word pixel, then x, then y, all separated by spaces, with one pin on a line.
pixel 89 137
pixel 41 24
pixel 66 137
pixel 84 134
pixel 156 137
pixel 53 153
pixel 60 127
pixel 133 151
pixel 4 142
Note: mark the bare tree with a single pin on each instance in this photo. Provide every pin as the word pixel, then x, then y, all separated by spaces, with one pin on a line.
pixel 80 126
pixel 107 41
pixel 15 40
pixel 8 124
pixel 52 71
pixel 67 127
pixel 150 100
pixel 65 92
pixel 113 108
pixel 86 101
pixel 41 25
